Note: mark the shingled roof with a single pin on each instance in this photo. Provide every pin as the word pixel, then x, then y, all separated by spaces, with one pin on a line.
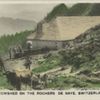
pixel 66 28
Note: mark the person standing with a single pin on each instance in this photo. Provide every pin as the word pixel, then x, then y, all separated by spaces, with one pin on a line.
pixel 10 53
pixel 28 62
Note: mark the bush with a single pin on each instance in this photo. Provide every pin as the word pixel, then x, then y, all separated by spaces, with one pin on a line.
pixel 63 82
pixel 49 63
pixel 4 82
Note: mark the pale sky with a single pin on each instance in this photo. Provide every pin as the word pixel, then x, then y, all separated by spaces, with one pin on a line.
pixel 26 11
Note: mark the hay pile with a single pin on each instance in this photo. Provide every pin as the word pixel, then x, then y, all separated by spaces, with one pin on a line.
pixel 22 72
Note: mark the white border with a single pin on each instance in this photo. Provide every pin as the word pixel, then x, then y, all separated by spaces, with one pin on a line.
pixel 50 97
pixel 48 1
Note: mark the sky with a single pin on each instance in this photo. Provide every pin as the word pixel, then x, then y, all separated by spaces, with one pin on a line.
pixel 34 12
pixel 58 0
pixel 68 1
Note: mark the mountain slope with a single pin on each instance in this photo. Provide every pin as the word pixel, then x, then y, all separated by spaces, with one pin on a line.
pixel 89 9
pixel 59 10
pixel 80 9
pixel 11 26
pixel 95 10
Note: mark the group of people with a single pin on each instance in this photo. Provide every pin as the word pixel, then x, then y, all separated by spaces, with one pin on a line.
pixel 17 50
pixel 14 51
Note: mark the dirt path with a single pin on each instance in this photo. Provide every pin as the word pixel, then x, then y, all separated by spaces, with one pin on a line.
pixel 11 65
pixel 58 71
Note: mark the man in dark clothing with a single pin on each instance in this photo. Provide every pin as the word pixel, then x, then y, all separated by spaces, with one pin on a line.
pixel 14 52
pixel 20 50
pixel 28 62
pixel 10 53
pixel 45 78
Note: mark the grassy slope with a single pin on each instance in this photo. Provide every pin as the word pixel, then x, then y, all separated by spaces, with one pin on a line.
pixel 48 64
